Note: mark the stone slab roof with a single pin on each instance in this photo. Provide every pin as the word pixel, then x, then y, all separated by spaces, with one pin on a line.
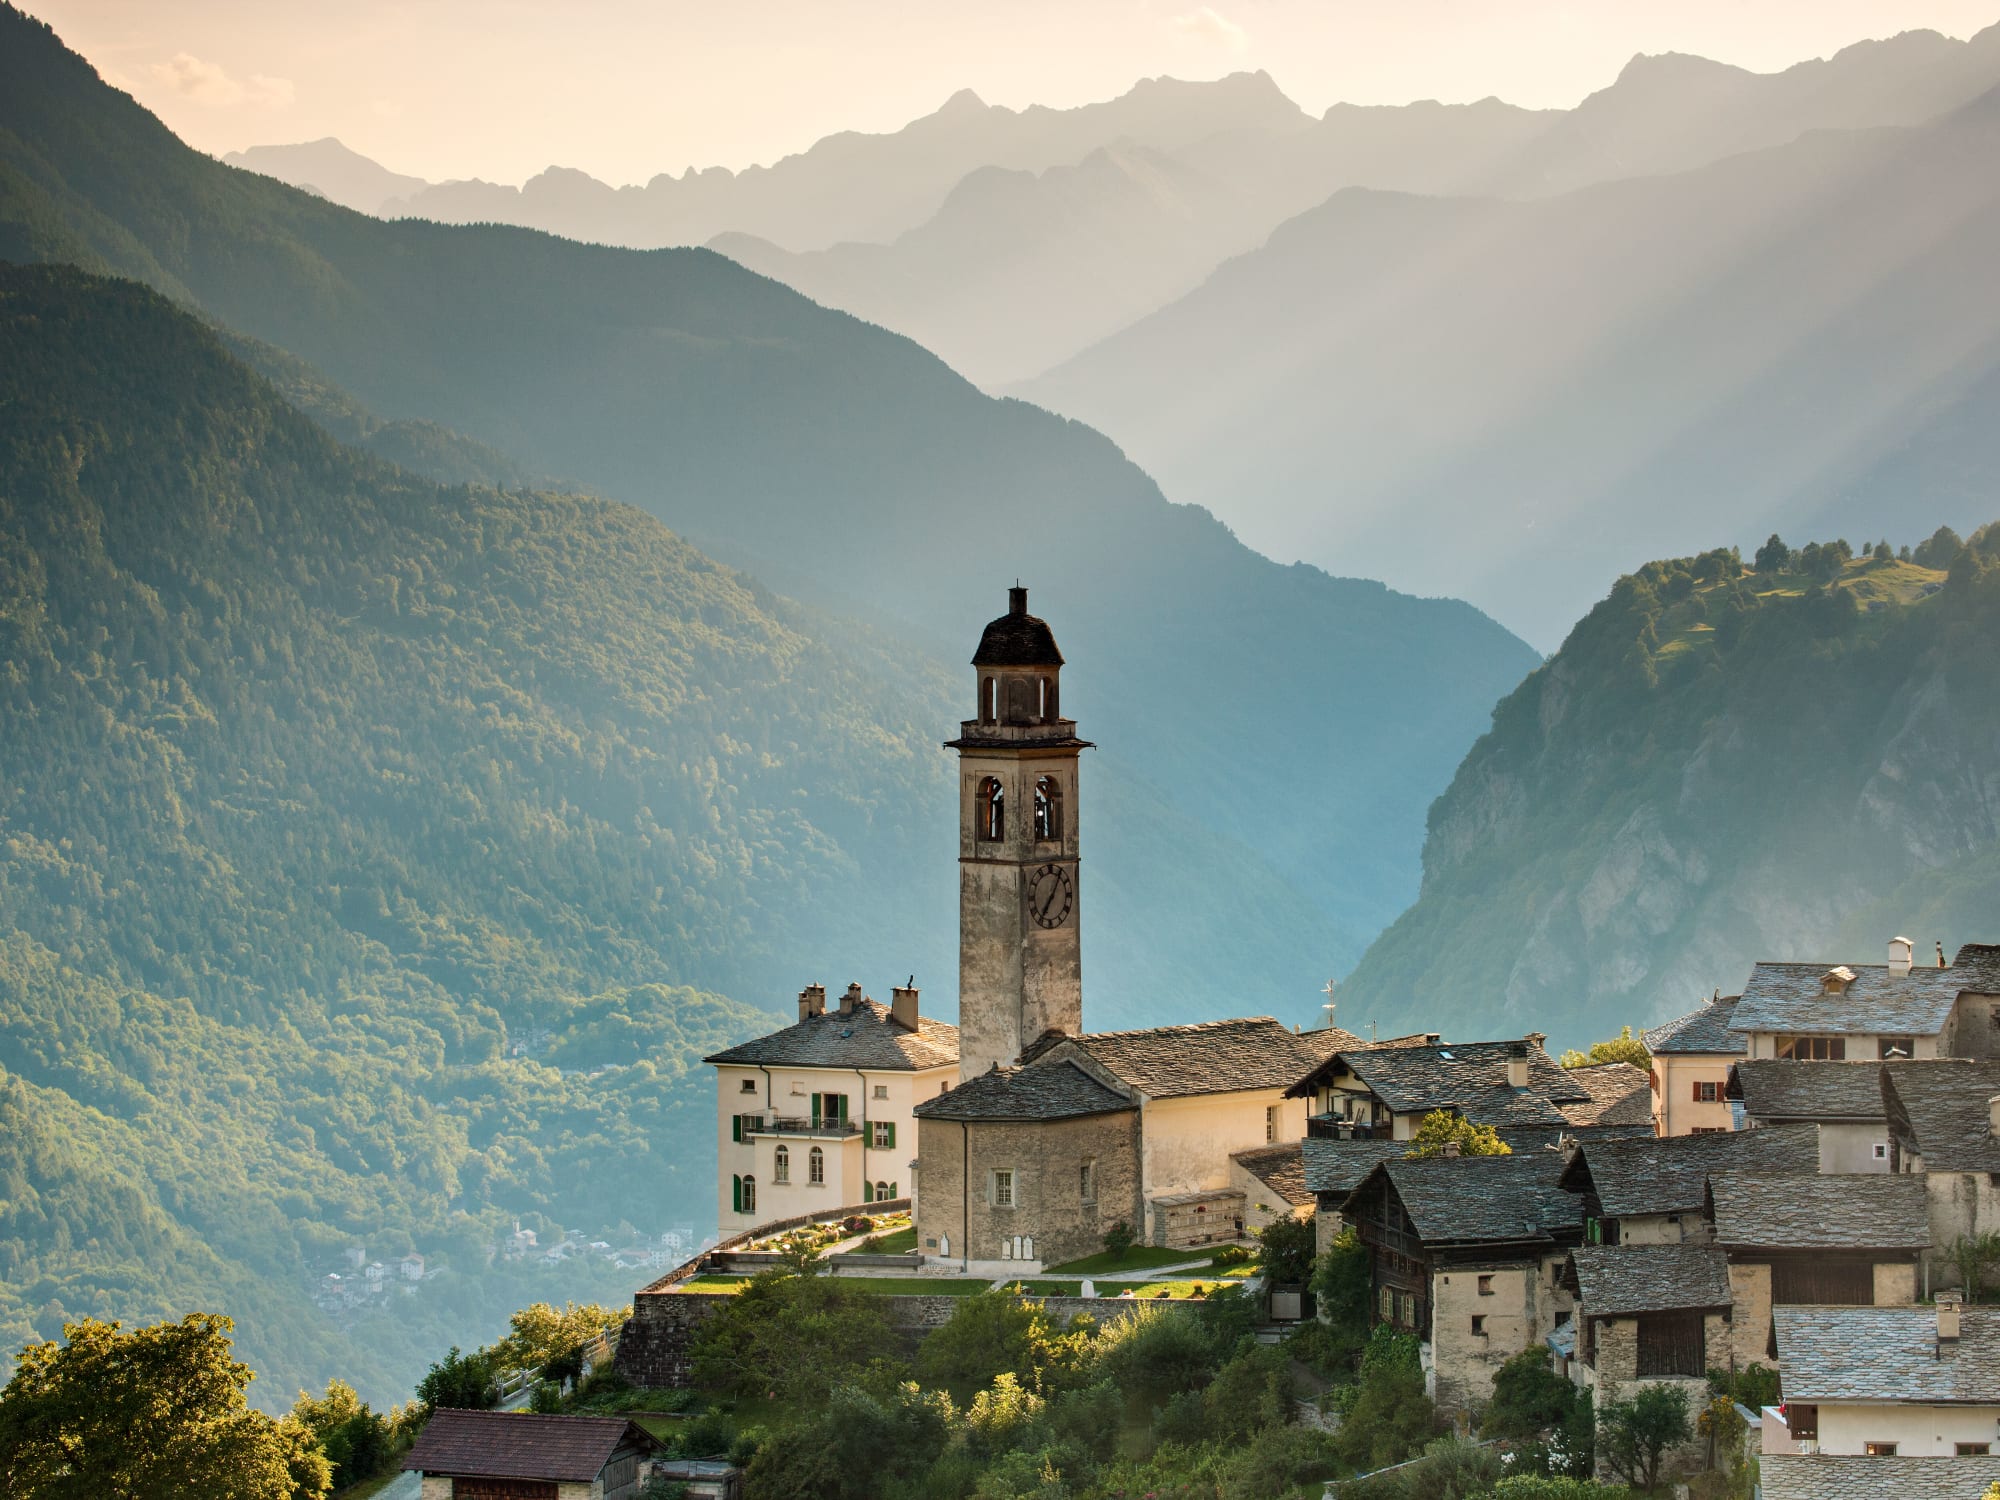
pixel 1792 997
pixel 1045 1091
pixel 1704 1032
pixel 1467 1077
pixel 1773 1089
pixel 1210 1057
pixel 1622 1280
pixel 1939 1110
pixel 1017 638
pixel 868 1038
pixel 1280 1168
pixel 1670 1175
pixel 1869 1211
pixel 1887 1354
pixel 1620 1094
pixel 1331 1039
pixel 1838 1477
pixel 1469 1200
pixel 520 1445
pixel 1337 1167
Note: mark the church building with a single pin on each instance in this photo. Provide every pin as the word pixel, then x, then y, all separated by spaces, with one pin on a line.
pixel 1056 1134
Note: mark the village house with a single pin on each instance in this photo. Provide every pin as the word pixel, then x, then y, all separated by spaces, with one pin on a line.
pixel 504 1455
pixel 1655 1192
pixel 1944 1129
pixel 1272 1180
pixel 1621 1101
pixel 1647 1313
pixel 819 1114
pixel 1873 1012
pixel 1467 1253
pixel 1385 1091
pixel 1843 1099
pixel 1333 1169
pixel 1692 1055
pixel 1881 1382
pixel 1793 1478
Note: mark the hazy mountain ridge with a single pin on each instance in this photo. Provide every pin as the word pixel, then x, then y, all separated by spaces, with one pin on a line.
pixel 1714 769
pixel 841 463
pixel 1781 339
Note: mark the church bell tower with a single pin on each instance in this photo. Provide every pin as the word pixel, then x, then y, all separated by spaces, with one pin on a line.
pixel 1020 956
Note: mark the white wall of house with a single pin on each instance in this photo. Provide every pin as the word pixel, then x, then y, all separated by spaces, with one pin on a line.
pixel 1854 1146
pixel 1860 1046
pixel 1918 1430
pixel 1662 1229
pixel 1676 1110
pixel 1186 1143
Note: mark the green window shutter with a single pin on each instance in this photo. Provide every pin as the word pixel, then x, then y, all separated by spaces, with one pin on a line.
pixel 892 1191
pixel 867 1191
pixel 736 1194
pixel 736 1130
pixel 890 1144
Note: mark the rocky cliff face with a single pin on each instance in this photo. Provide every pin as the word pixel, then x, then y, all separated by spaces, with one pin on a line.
pixel 1719 766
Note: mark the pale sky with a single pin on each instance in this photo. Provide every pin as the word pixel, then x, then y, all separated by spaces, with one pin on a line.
pixel 625 89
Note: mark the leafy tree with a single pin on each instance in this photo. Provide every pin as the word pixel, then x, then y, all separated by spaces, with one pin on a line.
pixel 1386 1417
pixel 987 1335
pixel 1529 1398
pixel 1624 1047
pixel 1974 1255
pixel 1774 556
pixel 545 1338
pixel 154 1414
pixel 1119 1239
pixel 1884 552
pixel 793 1336
pixel 1153 1354
pixel 1634 1434
pixel 459 1382
pixel 357 1441
pixel 1285 1246
pixel 1442 1133
pixel 1939 550
pixel 1755 1385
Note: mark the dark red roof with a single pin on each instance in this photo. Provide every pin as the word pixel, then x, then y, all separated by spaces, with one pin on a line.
pixel 520 1445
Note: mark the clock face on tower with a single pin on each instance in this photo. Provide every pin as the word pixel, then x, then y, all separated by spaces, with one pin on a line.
pixel 1050 896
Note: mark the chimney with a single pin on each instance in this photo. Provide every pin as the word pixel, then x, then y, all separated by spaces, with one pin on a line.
pixel 1940 948
pixel 1835 981
pixel 1948 1314
pixel 851 1001
pixel 1900 952
pixel 1517 1065
pixel 903 1005
pixel 812 1001
pixel 1017 600
pixel 1538 1039
pixel 1451 1148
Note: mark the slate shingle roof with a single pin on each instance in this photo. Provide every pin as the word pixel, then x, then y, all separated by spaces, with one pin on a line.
pixel 1467 1200
pixel 1620 1280
pixel 1939 1108
pixel 1703 1032
pixel 1871 1211
pixel 1337 1167
pixel 1772 1089
pixel 1017 638
pixel 1280 1168
pixel 1046 1091
pixel 1620 1094
pixel 520 1445
pixel 1839 1477
pixel 1670 1175
pixel 1469 1077
pixel 1791 997
pixel 1331 1039
pixel 1211 1057
pixel 865 1039
pixel 1887 1354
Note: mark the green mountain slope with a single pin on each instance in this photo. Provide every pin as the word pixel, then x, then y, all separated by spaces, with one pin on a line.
pixel 322 786
pixel 844 465
pixel 1719 766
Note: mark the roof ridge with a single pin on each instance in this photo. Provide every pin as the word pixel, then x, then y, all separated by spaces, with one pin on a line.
pixel 1215 1025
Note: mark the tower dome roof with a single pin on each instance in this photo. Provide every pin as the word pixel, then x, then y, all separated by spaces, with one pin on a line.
pixel 1017 638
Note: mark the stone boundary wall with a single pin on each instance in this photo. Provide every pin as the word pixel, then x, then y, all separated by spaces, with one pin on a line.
pixel 653 1352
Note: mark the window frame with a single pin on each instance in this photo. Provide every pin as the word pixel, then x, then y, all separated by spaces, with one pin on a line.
pixel 781 1164
pixel 997 1179
pixel 816 1167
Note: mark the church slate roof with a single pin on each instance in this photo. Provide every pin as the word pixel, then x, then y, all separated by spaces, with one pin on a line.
pixel 1888 1354
pixel 1280 1168
pixel 1209 1057
pixel 1774 1089
pixel 1470 1200
pixel 1620 1094
pixel 1624 1280
pixel 1870 1211
pixel 1017 638
pixel 1045 1091
pixel 1702 1032
pixel 521 1445
pixel 1337 1167
pixel 1469 1077
pixel 866 1039
pixel 1826 1476
pixel 1791 997
pixel 1669 1175
pixel 1940 1107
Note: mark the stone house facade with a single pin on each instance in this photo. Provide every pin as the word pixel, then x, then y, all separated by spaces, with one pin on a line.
pixel 1944 1130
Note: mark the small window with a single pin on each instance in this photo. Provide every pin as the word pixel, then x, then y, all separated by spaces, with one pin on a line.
pixel 1972 1450
pixel 1881 1150
pixel 1087 1182
pixel 1880 1450
pixel 989 810
pixel 884 1191
pixel 881 1091
pixel 1479 1325
pixel 781 1164
pixel 1708 1092
pixel 883 1134
pixel 749 1086
pixel 1003 1188
pixel 749 1203
pixel 1270 1122
pixel 816 1167
pixel 1486 1286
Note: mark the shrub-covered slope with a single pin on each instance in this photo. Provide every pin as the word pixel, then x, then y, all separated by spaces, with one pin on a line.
pixel 1720 765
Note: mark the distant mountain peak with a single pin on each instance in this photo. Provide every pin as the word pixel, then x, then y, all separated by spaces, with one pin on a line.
pixel 964 102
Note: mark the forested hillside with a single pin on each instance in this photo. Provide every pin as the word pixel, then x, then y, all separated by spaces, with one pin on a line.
pixel 322 786
pixel 1794 760
pixel 847 468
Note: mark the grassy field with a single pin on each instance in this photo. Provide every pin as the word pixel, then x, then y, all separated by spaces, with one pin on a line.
pixel 896 1242
pixel 1168 1291
pixel 1138 1258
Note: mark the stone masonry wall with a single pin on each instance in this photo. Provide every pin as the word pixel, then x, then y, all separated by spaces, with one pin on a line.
pixel 1049 1207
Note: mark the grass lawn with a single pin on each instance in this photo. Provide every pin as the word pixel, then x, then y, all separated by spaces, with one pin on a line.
pixel 897 1242
pixel 713 1286
pixel 1148 1291
pixel 1048 1288
pixel 1138 1258
pixel 1226 1273
pixel 660 1424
